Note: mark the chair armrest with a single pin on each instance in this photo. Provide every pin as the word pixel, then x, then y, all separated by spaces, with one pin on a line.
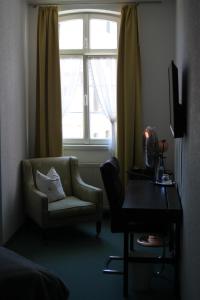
pixel 36 205
pixel 38 198
pixel 82 190
pixel 87 192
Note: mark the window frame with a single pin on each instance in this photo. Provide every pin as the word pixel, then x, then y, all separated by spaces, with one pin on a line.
pixel 88 53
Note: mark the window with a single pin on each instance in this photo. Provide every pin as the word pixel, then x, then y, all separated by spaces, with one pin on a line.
pixel 88 58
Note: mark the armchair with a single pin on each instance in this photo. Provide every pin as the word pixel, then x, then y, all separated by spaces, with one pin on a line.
pixel 83 202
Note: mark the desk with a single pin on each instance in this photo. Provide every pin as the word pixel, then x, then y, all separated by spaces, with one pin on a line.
pixel 156 207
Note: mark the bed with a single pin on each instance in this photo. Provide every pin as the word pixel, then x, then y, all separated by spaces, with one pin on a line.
pixel 22 279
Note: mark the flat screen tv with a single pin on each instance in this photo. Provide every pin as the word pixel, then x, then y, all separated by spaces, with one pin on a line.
pixel 176 109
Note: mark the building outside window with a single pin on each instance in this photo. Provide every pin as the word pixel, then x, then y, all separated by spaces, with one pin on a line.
pixel 88 62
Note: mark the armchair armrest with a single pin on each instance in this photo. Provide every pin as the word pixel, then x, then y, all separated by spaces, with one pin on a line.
pixel 82 190
pixel 36 205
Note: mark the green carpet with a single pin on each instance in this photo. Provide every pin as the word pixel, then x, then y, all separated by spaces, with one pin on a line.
pixel 78 257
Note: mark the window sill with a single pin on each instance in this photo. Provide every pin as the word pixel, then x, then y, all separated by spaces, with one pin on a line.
pixel 85 147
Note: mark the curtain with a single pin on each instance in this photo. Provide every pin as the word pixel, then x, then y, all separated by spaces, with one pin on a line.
pixel 69 84
pixel 48 102
pixel 129 123
pixel 103 75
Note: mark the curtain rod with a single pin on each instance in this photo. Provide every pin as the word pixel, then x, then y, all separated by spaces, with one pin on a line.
pixel 93 3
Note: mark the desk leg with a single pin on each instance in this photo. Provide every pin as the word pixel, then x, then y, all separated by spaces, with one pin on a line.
pixel 131 241
pixel 125 275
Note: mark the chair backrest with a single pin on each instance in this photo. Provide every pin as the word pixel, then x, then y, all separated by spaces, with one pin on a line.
pixel 110 173
pixel 62 166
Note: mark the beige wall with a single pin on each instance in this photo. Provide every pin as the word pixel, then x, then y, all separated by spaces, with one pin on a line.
pixel 156 31
pixel 12 113
pixel 188 154
pixel 157 44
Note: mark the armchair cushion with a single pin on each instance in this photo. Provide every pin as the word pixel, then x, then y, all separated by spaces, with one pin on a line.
pixel 50 185
pixel 70 206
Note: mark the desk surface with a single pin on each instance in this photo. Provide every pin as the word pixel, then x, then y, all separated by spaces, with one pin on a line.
pixel 144 199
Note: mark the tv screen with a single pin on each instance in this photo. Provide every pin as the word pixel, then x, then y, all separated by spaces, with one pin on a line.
pixel 176 109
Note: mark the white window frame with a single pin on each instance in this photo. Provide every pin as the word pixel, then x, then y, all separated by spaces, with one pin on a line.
pixel 87 53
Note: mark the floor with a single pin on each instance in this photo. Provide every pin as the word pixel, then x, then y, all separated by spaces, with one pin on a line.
pixel 78 257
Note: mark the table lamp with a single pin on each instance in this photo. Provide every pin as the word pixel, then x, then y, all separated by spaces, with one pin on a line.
pixel 154 159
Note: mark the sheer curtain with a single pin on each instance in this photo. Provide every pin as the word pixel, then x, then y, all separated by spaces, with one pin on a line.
pixel 103 73
pixel 69 83
pixel 129 122
pixel 48 102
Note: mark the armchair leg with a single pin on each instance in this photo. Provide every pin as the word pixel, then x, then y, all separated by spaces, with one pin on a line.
pixel 98 228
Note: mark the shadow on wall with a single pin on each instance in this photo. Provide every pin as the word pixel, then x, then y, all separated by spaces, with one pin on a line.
pixel 185 82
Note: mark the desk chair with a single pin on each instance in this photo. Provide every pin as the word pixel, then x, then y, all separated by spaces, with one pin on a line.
pixel 110 172
pixel 115 194
pixel 119 220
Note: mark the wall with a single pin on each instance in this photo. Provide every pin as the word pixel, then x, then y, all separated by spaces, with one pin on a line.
pixel 156 24
pixel 12 114
pixel 188 61
pixel 157 46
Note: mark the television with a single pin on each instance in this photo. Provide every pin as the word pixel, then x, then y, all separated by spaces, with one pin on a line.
pixel 175 108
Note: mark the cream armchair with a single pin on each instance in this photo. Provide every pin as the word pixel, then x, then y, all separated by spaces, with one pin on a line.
pixel 83 202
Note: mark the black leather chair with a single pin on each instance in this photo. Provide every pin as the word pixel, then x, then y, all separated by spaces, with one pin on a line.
pixel 110 173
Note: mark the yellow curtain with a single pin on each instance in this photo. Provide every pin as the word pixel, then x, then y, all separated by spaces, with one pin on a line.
pixel 129 123
pixel 48 103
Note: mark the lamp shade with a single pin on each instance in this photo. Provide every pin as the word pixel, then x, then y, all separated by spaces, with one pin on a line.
pixel 151 147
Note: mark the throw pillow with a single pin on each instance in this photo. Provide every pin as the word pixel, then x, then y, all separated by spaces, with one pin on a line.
pixel 50 185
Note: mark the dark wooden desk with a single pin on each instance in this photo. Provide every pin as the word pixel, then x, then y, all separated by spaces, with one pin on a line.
pixel 156 207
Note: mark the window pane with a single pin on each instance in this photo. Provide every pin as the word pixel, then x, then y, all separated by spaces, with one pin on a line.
pixel 103 34
pixel 71 34
pixel 72 97
pixel 102 96
pixel 100 127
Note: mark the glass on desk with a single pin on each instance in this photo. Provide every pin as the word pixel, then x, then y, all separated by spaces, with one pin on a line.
pixel 165 177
